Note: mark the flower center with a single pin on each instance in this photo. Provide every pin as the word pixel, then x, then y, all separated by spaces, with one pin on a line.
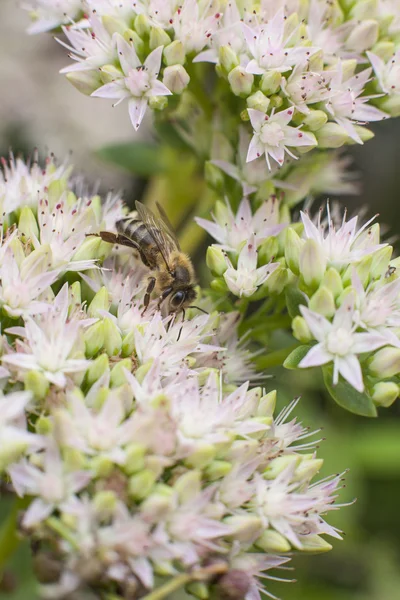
pixel 271 134
pixel 138 82
pixel 339 342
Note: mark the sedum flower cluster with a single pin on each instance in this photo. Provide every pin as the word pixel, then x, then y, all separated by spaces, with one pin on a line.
pixel 297 74
pixel 144 458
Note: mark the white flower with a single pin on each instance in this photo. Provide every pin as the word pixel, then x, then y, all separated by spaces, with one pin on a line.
pixel 347 106
pixel 52 485
pixel 194 24
pixel 272 135
pixel 246 278
pixel 51 342
pixel 255 566
pixel 343 245
pixel 50 14
pixel 321 31
pixel 306 87
pixel 138 83
pixel 270 47
pixel 232 231
pixel 388 73
pixel 339 343
pixel 229 34
pixel 160 12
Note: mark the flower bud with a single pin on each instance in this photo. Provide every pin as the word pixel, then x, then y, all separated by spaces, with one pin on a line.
pixel 258 101
pixel 99 303
pixel 109 73
pixel 233 585
pixel 241 449
pixel 333 282
pixel 142 25
pixel 97 368
pixel 88 250
pixel 316 62
pixel 105 503
pixel 201 457
pixel 275 284
pixel 241 82
pixel 43 425
pixel 113 25
pixel 188 485
pixel 308 468
pixel 293 246
pixel 174 54
pixel 85 82
pixel 94 339
pixel 272 542
pixel 101 466
pixel 363 36
pixel 228 59
pixel 158 37
pixel 279 464
pixel 384 49
pixel 385 393
pixel 385 363
pixel 118 377
pixel 36 383
pixel 270 82
pixel 112 338
pixel 219 285
pixel 141 483
pixel 217 469
pixel 214 177
pixel 380 262
pixel 315 119
pixel 312 263
pixel 75 295
pixel 314 543
pixel 362 9
pixel 301 330
pixel 128 344
pixel 216 262
pixel 244 527
pixel 134 458
pixel 176 78
pixel 198 589
pixel 27 224
pixel 155 507
pixel 276 101
pixel 391 105
pixel 323 302
pixel 331 135
pixel 158 102
pixel 266 405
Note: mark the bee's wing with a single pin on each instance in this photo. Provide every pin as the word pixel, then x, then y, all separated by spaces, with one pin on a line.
pixel 161 232
pixel 167 225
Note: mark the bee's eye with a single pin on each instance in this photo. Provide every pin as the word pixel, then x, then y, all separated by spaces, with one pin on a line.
pixel 178 299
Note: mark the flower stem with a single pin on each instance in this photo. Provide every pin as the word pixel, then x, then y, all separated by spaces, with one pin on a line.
pixel 274 359
pixel 180 580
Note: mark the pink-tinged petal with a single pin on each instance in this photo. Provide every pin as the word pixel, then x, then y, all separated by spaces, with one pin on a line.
pixel 296 137
pixel 37 512
pixel 256 149
pixel 379 68
pixel 301 54
pixel 367 113
pixel 253 68
pixel 230 277
pixel 315 357
pixel 227 168
pixel 59 379
pixel 207 56
pixel 114 91
pixel 283 117
pixel 248 256
pixel 127 55
pixel 350 370
pixel 212 228
pixel 344 315
pixel 264 272
pixel 349 128
pixel 244 211
pixel 257 119
pixel 153 61
pixel 278 154
pixel 23 361
pixel 137 109
pixel 159 89
pixel 79 480
pixel 142 568
pixel 367 342
pixel 310 229
pixel 319 325
pixel 250 37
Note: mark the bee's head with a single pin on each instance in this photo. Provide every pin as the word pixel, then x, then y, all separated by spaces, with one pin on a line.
pixel 180 299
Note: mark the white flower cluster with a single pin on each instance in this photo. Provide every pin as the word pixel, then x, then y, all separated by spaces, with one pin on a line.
pixel 303 72
pixel 144 454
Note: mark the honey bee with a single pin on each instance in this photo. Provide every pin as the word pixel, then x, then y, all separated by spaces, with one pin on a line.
pixel 171 271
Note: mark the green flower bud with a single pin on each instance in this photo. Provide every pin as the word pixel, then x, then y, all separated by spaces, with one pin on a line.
pixel 273 542
pixel 99 303
pixel 158 102
pixel 349 68
pixel 217 469
pixel 312 263
pixel 188 485
pixel 323 302
pixel 315 120
pixel 174 54
pixel 108 73
pixel 275 284
pixel 228 59
pixel 27 224
pixel 155 507
pixel 308 468
pixel 142 25
pixel 97 368
pixel 113 25
pixel 56 190
pixel 118 377
pixel 214 177
pixel 73 459
pixel 268 250
pixel 142 371
pixel 198 589
pixel 112 338
pixel 101 466
pixel 363 9
pixel 105 503
pixel 363 36
pixel 176 78
pixel 279 464
pixel 380 262
pixel 219 285
pixel 241 82
pixel 132 37
pixel 85 82
pixel 384 49
pixel 201 457
pixel 258 101
pixel 301 330
pixel 128 344
pixel 385 393
pixel 331 135
pixel 135 458
pixel 276 101
pixel 314 543
pixel 75 294
pixel 216 262
pixel 385 363
pixel 391 105
pixel 36 382
pixel 364 134
pixel 244 527
pixel 316 62
pixel 270 82
pixel 333 282
pixel 89 249
pixel 266 405
pixel 94 339
pixel 293 246
pixel 23 262
pixel 141 483
pixel 158 37
pixel 43 425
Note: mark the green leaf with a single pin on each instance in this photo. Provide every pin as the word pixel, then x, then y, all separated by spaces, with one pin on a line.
pixel 292 361
pixel 8 534
pixel 294 298
pixel 347 397
pixel 140 158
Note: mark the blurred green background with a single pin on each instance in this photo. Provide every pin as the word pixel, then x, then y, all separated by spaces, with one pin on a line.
pixel 39 108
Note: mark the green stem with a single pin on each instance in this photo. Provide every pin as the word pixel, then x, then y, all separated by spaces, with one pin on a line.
pixel 274 359
pixel 171 586
pixel 272 323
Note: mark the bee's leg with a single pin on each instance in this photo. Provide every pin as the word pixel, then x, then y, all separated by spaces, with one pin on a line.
pixel 150 288
pixel 180 331
pixel 164 295
pixel 113 238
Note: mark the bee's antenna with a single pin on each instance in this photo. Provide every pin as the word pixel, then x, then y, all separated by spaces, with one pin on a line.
pixel 201 309
pixel 180 331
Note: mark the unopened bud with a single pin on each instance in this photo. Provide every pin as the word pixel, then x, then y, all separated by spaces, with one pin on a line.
pixel 301 330
pixel 384 49
pixel 85 82
pixel 323 302
pixel 391 105
pixel 385 393
pixel 96 369
pixel 385 363
pixel 188 485
pixel 273 542
pixel 241 82
pixel 293 246
pixel 142 25
pixel 279 464
pixel 113 25
pixel 307 468
pixel 198 589
pixel 108 73
pixel 258 101
pixel 216 262
pixel 43 425
pixel 101 466
pixel 27 224
pixel 228 59
pixel 201 457
pixel 331 135
pixel 380 262
pixel 234 585
pixel 158 102
pixel 314 543
pixel 270 82
pixel 135 455
pixel 141 484
pixel 158 37
pixel 176 78
pixel 266 405
pixel 333 282
pixel 363 36
pixel 99 303
pixel 217 469
pixel 94 339
pixel 312 263
pixel 118 377
pixel 315 120
pixel 244 527
pixel 174 53
pixel 36 383
pixel 105 503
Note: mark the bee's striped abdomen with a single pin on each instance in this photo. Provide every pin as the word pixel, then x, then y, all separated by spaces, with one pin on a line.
pixel 137 231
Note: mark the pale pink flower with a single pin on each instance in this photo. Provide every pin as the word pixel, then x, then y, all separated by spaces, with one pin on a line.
pixel 388 74
pixel 50 14
pixel 272 135
pixel 138 83
pixel 194 24
pixel 304 87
